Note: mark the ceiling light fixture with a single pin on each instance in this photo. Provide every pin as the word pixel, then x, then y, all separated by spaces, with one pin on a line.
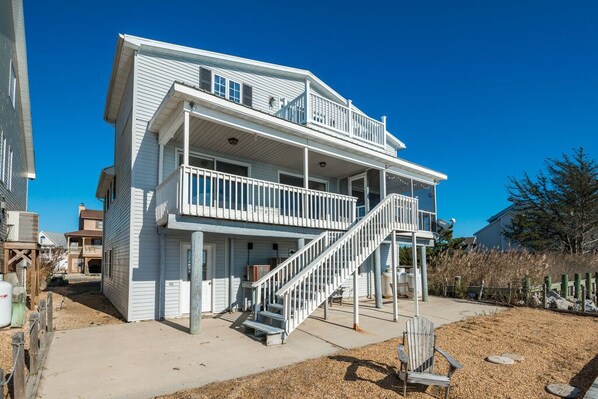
pixel 233 141
pixel 322 164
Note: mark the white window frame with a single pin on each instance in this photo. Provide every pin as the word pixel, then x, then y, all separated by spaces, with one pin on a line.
pixel 3 166
pixel 316 179
pixel 230 83
pixel 10 169
pixel 225 86
pixel 179 151
pixel 12 84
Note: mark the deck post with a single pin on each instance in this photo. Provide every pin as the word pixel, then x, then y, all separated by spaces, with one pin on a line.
pixel 326 306
pixel 300 243
pixel 196 281
pixel 186 135
pixel 162 282
pixel 395 280
pixel 577 285
pixel 424 273
pixel 350 117
pixel 161 163
pixel 564 285
pixel 306 168
pixel 308 115
pixel 588 286
pixel 355 302
pixel 415 279
pixel 231 272
pixel 377 278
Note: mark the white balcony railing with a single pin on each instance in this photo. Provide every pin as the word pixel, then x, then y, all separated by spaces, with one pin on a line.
pixel 339 118
pixel 207 193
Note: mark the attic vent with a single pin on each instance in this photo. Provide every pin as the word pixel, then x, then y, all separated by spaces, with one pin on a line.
pixel 205 79
pixel 247 95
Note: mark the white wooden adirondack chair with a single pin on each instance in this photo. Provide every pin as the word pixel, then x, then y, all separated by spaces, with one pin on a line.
pixel 417 365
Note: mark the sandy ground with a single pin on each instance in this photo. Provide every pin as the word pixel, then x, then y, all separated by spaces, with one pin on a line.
pixel 556 347
pixel 76 305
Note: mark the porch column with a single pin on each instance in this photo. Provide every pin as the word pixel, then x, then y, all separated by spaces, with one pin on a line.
pixel 196 279
pixel 306 168
pixel 231 272
pixel 355 302
pixel 395 280
pixel 424 272
pixel 186 135
pixel 161 163
pixel 382 184
pixel 377 278
pixel 300 243
pixel 415 279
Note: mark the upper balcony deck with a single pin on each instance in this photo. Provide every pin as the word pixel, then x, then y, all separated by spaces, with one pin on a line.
pixel 311 109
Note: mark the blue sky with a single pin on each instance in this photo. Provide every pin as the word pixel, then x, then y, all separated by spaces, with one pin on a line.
pixel 480 90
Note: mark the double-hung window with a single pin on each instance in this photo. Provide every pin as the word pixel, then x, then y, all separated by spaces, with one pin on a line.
pixel 234 91
pixel 219 86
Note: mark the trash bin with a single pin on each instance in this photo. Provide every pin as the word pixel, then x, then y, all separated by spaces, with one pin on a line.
pixel 387 283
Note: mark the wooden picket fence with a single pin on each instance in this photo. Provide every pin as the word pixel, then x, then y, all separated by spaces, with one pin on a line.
pixel 23 380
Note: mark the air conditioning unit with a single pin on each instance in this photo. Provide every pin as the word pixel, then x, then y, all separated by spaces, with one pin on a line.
pixel 22 226
pixel 255 272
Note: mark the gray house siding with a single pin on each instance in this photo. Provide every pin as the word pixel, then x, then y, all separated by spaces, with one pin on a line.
pixel 154 75
pixel 11 122
pixel 117 218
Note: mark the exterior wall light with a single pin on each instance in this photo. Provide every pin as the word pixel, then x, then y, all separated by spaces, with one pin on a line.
pixel 322 164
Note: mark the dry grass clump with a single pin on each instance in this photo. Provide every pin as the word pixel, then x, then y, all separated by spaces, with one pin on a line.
pixel 498 269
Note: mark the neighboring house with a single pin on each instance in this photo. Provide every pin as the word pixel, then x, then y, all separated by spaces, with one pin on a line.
pixel 51 242
pixel 267 162
pixel 18 231
pixel 85 244
pixel 469 244
pixel 492 236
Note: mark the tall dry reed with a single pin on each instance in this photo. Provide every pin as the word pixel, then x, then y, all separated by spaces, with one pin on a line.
pixel 497 269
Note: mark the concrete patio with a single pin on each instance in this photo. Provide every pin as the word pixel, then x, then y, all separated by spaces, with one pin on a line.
pixel 142 360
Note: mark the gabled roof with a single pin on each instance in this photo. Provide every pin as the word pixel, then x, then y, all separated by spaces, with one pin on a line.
pixel 127 45
pixel 57 239
pixel 23 79
pixel 91 214
pixel 500 214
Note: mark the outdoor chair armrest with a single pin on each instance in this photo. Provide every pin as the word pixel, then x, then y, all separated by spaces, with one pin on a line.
pixel 452 361
pixel 402 354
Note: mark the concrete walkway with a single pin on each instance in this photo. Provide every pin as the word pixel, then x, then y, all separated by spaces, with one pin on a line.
pixel 142 360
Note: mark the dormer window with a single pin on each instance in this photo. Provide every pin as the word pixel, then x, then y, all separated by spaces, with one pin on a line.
pixel 219 86
pixel 234 91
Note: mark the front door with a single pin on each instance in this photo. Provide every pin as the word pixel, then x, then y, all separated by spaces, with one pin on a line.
pixel 207 274
pixel 357 188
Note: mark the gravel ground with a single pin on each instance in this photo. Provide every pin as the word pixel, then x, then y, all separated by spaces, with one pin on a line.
pixel 556 347
pixel 76 305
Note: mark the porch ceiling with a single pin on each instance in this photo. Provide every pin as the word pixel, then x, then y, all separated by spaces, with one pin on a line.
pixel 209 136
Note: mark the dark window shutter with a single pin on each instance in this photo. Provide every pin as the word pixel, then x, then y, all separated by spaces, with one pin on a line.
pixel 247 95
pixel 205 79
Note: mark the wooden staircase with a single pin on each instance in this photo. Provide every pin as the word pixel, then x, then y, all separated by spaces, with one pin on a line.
pixel 287 295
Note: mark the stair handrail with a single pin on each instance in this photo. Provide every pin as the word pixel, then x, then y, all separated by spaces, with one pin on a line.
pixel 268 284
pixel 394 209
pixel 355 227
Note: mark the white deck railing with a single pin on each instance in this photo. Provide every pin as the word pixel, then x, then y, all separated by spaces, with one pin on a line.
pixel 339 118
pixel 207 193
pixel 265 288
pixel 315 283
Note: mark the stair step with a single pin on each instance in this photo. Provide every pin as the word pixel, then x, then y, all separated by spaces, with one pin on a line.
pixel 271 315
pixel 274 335
pixel 277 306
